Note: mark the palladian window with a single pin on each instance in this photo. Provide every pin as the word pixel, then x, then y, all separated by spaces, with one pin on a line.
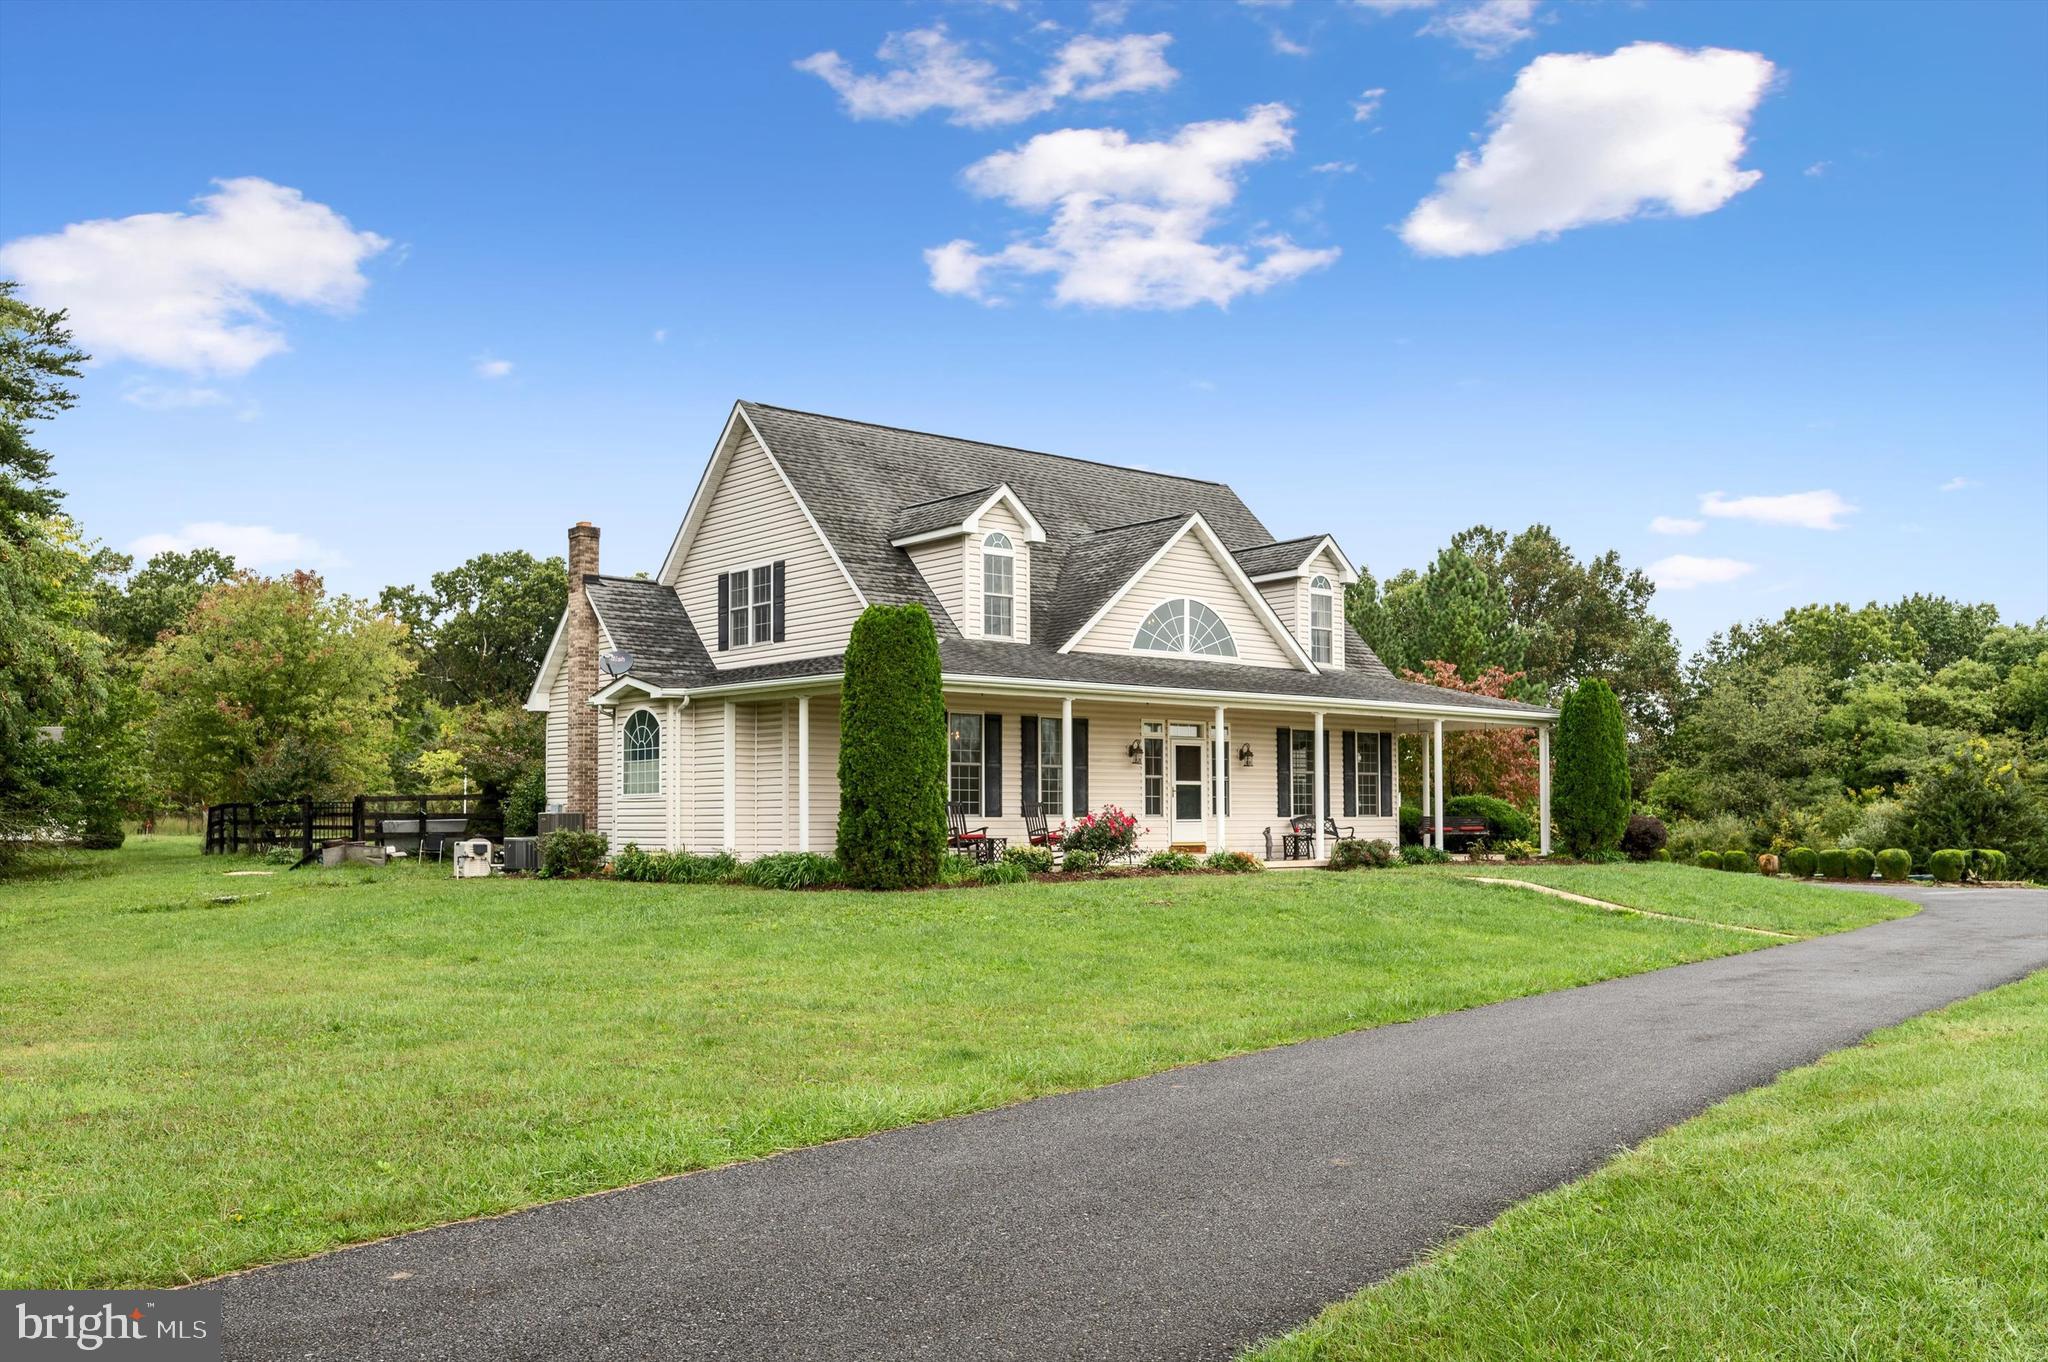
pixel 1186 626
pixel 642 755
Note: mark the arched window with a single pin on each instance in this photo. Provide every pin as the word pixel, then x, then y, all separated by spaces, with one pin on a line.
pixel 641 753
pixel 998 586
pixel 1186 626
pixel 1322 614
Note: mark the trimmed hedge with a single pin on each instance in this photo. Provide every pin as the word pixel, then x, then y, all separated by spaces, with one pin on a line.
pixel 892 752
pixel 1709 860
pixel 1862 863
pixel 1352 853
pixel 1591 792
pixel 1833 863
pixel 1800 863
pixel 1737 860
pixel 1644 837
pixel 1503 820
pixel 1895 864
pixel 1947 866
pixel 571 851
pixel 1989 863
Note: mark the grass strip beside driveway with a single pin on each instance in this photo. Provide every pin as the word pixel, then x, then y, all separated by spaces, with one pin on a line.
pixel 1688 891
pixel 189 1085
pixel 1885 1203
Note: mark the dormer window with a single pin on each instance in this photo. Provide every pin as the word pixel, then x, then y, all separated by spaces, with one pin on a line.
pixel 998 586
pixel 1186 626
pixel 1322 614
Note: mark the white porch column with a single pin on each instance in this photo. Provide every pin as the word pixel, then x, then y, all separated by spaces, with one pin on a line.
pixel 1222 774
pixel 732 777
pixel 1423 766
pixel 1316 763
pixel 1436 778
pixel 1543 789
pixel 1067 759
pixel 1394 782
pixel 803 773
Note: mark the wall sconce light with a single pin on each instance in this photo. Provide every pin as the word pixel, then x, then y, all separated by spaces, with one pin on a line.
pixel 1137 751
pixel 1244 754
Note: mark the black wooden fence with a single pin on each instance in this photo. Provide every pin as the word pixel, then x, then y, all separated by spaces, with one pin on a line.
pixel 304 824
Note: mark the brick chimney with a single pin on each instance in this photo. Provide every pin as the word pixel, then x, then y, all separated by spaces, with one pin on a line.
pixel 582 664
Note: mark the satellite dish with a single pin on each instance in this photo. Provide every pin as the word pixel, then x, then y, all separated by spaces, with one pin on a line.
pixel 615 665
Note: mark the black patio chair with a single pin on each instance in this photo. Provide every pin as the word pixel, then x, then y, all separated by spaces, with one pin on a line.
pixel 1336 834
pixel 968 841
pixel 1036 831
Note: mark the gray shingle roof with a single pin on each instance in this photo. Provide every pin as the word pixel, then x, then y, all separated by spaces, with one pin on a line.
pixel 867 484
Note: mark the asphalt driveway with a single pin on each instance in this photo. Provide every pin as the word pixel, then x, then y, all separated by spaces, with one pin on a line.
pixel 1176 1216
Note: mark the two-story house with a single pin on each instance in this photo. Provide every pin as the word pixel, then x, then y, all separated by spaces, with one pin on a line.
pixel 1107 635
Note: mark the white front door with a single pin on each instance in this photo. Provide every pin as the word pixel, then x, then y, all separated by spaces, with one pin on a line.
pixel 1187 791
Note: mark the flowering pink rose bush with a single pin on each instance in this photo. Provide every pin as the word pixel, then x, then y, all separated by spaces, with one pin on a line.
pixel 1110 832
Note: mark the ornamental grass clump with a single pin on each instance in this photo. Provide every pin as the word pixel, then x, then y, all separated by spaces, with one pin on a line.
pixel 1895 864
pixel 793 870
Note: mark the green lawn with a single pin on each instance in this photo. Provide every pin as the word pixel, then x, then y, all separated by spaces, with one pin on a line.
pixel 1803 909
pixel 189 1086
pixel 1890 1202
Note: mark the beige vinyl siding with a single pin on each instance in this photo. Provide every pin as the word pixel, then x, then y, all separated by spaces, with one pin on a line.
pixel 558 737
pixel 754 518
pixel 1187 569
pixel 1326 565
pixel 607 773
pixel 998 517
pixel 943 564
pixel 704 832
pixel 641 819
pixel 1285 601
pixel 824 772
pixel 766 776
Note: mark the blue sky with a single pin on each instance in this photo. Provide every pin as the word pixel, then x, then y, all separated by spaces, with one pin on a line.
pixel 425 282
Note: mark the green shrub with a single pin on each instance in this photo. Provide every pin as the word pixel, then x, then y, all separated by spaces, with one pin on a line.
pixel 1740 861
pixel 1035 860
pixel 1233 862
pixel 1861 863
pixel 1947 866
pixel 1002 872
pixel 1833 863
pixel 1516 849
pixel 1422 855
pixel 674 867
pixel 1176 861
pixel 892 752
pixel 1105 834
pixel 571 851
pixel 1079 862
pixel 1800 863
pixel 1411 822
pixel 1644 837
pixel 1502 818
pixel 524 803
pixel 792 870
pixel 1592 785
pixel 1349 853
pixel 1689 837
pixel 282 855
pixel 1895 864
pixel 955 868
pixel 1988 863
pixel 1708 860
pixel 1663 854
pixel 103 830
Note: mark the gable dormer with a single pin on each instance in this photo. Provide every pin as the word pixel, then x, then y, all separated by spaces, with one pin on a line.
pixel 974 550
pixel 1168 588
pixel 1303 581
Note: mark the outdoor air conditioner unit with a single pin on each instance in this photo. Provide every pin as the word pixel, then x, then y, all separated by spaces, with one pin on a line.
pixel 472 858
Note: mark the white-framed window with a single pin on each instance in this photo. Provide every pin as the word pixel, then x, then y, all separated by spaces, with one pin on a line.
pixel 1368 775
pixel 1186 626
pixel 1322 615
pixel 737 614
pixel 998 586
pixel 750 605
pixel 763 597
pixel 1302 771
pixel 1153 735
pixel 964 784
pixel 640 754
pixel 1052 772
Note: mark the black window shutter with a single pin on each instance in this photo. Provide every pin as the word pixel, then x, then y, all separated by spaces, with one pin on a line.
pixel 1079 775
pixel 1027 766
pixel 724 611
pixel 1324 762
pixel 778 600
pixel 1283 766
pixel 1387 809
pixel 991 759
pixel 1350 774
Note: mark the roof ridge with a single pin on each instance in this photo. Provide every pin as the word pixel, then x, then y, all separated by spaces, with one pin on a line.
pixel 1008 449
pixel 1134 524
pixel 1279 543
pixel 619 577
pixel 963 492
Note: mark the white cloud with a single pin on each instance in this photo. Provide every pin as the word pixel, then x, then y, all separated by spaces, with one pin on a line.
pixel 155 397
pixel 1683 572
pixel 1957 484
pixel 186 290
pixel 1820 510
pixel 1129 218
pixel 1671 524
pixel 929 70
pixel 487 367
pixel 1109 13
pixel 1818 169
pixel 1334 167
pixel 1286 46
pixel 1582 139
pixel 1487 29
pixel 1367 106
pixel 251 546
pixel 1393 6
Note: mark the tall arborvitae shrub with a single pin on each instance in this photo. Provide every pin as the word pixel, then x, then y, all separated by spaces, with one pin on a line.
pixel 892 752
pixel 1591 790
